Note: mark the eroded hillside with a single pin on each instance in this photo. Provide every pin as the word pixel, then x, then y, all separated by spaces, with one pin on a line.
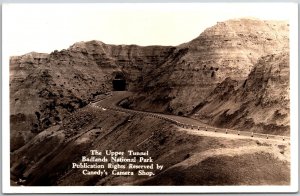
pixel 261 103
pixel 47 88
pixel 187 158
pixel 234 75
pixel 228 49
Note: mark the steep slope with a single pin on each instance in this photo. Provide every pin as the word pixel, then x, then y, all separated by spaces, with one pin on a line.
pixel 261 103
pixel 45 88
pixel 228 49
pixel 187 159
pixel 235 75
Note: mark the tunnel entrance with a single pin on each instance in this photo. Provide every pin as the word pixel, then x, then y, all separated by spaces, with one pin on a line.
pixel 119 83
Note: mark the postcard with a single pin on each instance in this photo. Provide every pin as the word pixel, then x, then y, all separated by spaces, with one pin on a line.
pixel 150 98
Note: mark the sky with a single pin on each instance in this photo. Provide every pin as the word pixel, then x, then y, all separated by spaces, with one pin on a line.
pixel 48 27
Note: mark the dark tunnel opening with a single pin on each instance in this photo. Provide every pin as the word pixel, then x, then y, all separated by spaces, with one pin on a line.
pixel 119 82
pixel 119 85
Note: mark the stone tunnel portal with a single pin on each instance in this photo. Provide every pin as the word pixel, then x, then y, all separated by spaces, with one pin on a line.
pixel 119 82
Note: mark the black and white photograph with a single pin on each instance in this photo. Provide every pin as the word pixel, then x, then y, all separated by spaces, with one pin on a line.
pixel 138 97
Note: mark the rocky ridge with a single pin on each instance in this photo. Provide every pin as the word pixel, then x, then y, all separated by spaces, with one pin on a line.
pixel 260 104
pixel 45 88
pixel 234 75
pixel 228 49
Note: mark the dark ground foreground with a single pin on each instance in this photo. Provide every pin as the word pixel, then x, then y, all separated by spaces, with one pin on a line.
pixel 188 158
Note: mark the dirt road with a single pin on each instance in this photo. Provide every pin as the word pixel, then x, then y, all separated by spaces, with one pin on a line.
pixel 189 125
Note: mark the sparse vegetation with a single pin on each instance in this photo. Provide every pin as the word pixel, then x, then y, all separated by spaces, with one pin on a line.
pixel 209 78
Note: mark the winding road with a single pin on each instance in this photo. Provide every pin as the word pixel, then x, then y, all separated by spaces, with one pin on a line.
pixel 189 125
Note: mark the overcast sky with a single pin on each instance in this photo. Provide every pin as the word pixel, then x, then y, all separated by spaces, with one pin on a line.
pixel 46 27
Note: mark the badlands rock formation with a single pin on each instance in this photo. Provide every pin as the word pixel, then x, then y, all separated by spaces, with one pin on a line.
pixel 45 88
pixel 228 49
pixel 261 103
pixel 234 75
